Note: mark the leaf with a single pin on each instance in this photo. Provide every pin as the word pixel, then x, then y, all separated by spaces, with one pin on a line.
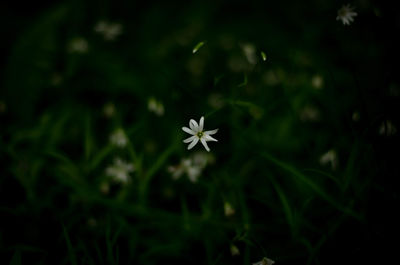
pixel 244 81
pixel 263 56
pixel 197 47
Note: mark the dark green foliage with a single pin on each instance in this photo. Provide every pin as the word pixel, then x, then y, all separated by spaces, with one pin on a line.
pixel 307 151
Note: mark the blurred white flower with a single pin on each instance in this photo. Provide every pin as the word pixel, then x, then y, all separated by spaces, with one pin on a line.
pixel 329 157
pixel 104 188
pixel 270 78
pixel 109 110
pixel 110 31
pixel 119 138
pixel 78 45
pixel 228 209
pixel 355 116
pixel 265 261
pixel 186 166
pixel 309 114
pixel 249 51
pixel 216 101
pixel 155 106
pixel 120 170
pixel 198 134
pixel 92 222
pixel 317 81
pixel 387 128
pixel 346 14
pixel 191 166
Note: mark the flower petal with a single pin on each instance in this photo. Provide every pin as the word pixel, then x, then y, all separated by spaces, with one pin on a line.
pixel 193 125
pixel 193 143
pixel 203 141
pixel 191 138
pixel 186 129
pixel 211 132
pixel 209 138
pixel 201 124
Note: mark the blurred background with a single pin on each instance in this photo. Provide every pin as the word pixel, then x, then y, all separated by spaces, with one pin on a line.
pixel 93 98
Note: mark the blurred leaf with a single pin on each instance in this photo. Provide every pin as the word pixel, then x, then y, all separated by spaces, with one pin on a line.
pixel 263 56
pixel 198 46
pixel 315 187
pixel 71 252
pixel 16 259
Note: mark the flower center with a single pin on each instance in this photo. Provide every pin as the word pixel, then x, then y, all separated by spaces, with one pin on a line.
pixel 200 134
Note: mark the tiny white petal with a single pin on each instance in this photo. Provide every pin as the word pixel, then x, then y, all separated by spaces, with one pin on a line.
pixel 187 140
pixel 201 124
pixel 195 140
pixel 211 132
pixel 186 129
pixel 193 125
pixel 209 138
pixel 203 141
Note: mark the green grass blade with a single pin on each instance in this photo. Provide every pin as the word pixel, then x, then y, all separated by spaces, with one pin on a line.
pixel 16 259
pixel 71 252
pixel 286 206
pixel 312 185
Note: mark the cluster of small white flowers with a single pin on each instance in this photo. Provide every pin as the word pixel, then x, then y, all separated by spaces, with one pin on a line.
pixel 110 31
pixel 191 166
pixel 346 14
pixel 155 106
pixel 329 157
pixel 78 45
pixel 196 130
pixel 120 170
pixel 265 261
pixel 119 138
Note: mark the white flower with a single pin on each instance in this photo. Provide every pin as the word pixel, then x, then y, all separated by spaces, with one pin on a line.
pixel 265 261
pixel 198 134
pixel 78 45
pixel 110 31
pixel 119 138
pixel 346 14
pixel 155 106
pixel 329 157
pixel 120 170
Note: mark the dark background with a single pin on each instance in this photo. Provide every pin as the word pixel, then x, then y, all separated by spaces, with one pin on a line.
pixel 288 206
